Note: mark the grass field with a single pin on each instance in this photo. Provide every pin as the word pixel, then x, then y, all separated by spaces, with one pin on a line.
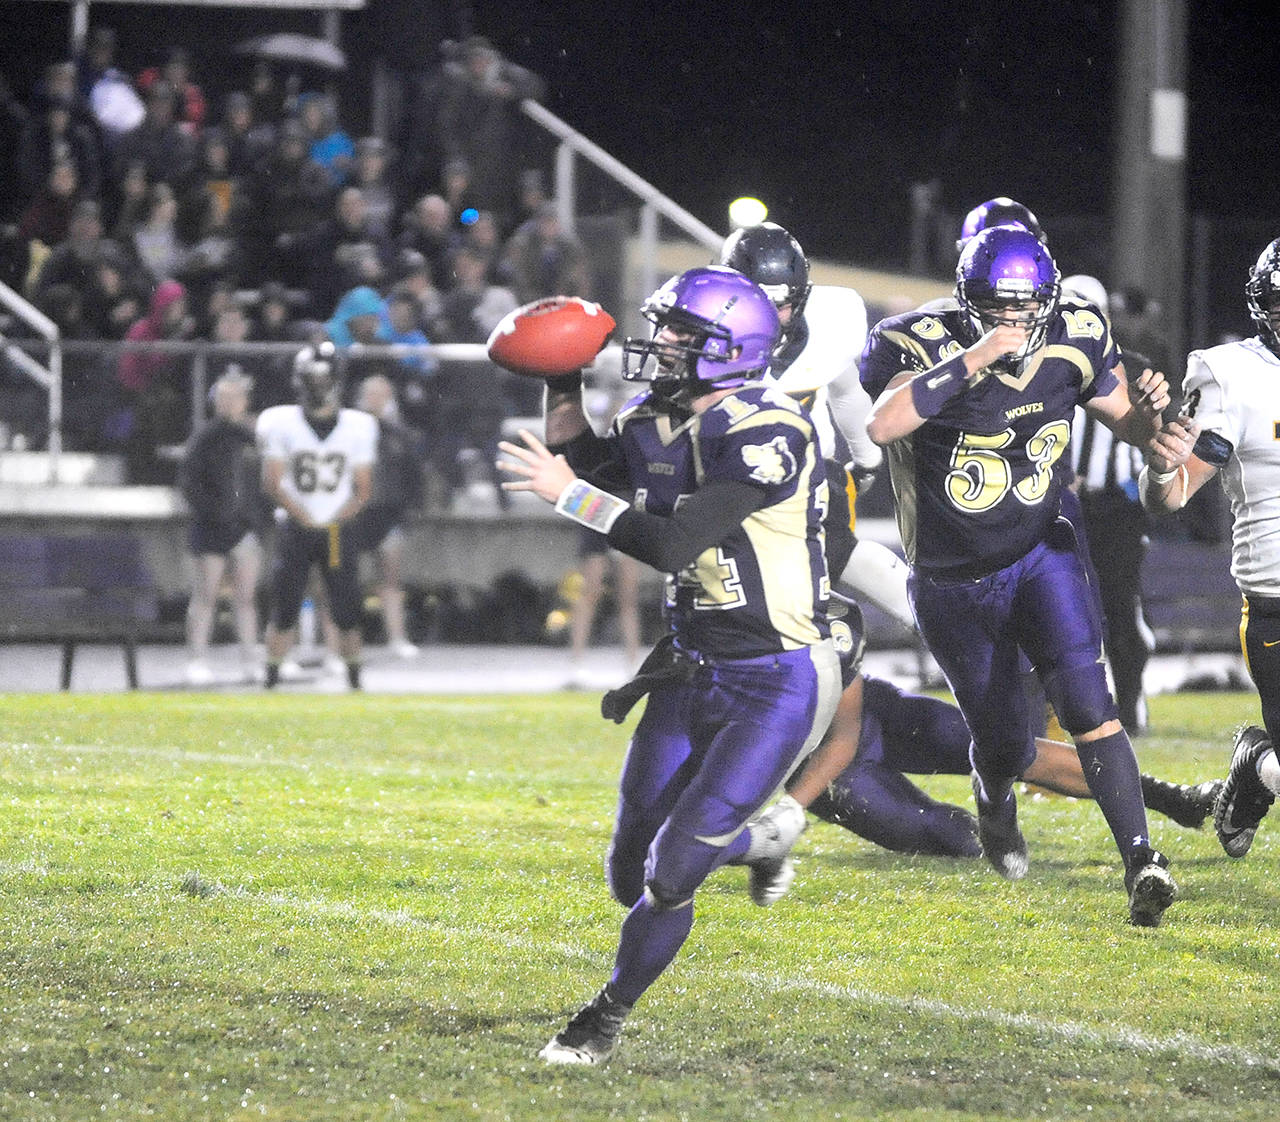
pixel 360 907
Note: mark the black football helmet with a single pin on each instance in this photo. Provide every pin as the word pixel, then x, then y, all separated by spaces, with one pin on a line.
pixel 1000 211
pixel 772 258
pixel 315 378
pixel 1262 294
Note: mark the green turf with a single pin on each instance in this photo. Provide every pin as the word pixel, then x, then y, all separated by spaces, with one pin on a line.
pixel 304 907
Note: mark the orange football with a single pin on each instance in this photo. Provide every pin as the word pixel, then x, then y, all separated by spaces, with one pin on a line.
pixel 555 335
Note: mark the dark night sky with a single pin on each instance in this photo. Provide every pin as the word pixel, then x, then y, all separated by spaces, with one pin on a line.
pixel 827 110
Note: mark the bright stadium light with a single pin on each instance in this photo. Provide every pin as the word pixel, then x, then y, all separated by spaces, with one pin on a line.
pixel 747 211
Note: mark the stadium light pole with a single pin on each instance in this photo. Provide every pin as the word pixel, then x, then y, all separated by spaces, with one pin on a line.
pixel 1148 205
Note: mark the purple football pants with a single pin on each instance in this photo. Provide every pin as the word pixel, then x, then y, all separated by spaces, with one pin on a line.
pixel 705 757
pixel 977 630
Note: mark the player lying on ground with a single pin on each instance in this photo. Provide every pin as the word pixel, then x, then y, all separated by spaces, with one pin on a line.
pixel 879 732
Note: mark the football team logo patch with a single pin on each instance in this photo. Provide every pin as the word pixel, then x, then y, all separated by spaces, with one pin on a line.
pixel 770 463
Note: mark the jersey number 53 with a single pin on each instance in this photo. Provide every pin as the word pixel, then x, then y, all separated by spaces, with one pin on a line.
pixel 980 476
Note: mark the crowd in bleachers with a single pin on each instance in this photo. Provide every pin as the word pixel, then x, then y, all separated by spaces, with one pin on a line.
pixel 158 206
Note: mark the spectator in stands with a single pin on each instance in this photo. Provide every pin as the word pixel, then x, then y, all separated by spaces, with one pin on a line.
pixel 58 83
pixel 216 257
pixel 327 143
pixel 212 185
pixel 410 273
pixel 359 318
pixel 47 218
pixel 288 193
pixel 428 228
pixel 52 134
pixel 155 242
pixel 473 305
pixel 482 236
pixel 162 145
pixel 273 323
pixel 397 491
pixel 98 56
pixel 117 109
pixel 231 327
pixel 457 186
pixel 247 139
pixel 132 200
pixel 372 175
pixel 219 480
pixel 190 104
pixel 415 384
pixel 155 385
pixel 116 295
pixel 341 252
pixel 74 261
pixel 267 95
pixel 472 398
pixel 476 118
pixel 543 259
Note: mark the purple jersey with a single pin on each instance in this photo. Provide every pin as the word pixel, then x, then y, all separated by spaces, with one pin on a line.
pixel 978 485
pixel 763 588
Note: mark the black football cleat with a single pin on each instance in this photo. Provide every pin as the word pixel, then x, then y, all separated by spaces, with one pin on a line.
pixel 1002 842
pixel 591 1034
pixel 1187 804
pixel 1151 889
pixel 1244 800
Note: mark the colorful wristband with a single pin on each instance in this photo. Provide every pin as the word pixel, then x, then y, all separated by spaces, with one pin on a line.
pixel 931 390
pixel 589 506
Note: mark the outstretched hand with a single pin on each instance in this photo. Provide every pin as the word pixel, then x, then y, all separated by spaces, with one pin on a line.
pixel 544 474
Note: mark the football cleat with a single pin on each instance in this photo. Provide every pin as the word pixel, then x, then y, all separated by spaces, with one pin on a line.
pixel 1002 842
pixel 1187 805
pixel 591 1034
pixel 770 880
pixel 1244 800
pixel 1151 889
pixel 776 829
pixel 773 834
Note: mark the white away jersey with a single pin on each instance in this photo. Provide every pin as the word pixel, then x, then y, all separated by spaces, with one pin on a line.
pixel 1234 391
pixel 827 366
pixel 319 471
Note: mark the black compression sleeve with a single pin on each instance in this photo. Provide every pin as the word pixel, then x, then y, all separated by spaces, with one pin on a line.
pixel 705 518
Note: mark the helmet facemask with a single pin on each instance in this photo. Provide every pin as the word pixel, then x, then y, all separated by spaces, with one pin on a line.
pixel 712 328
pixel 1006 276
pixel 1262 295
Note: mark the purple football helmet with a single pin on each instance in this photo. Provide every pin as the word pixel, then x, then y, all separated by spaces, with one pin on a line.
pixel 727 325
pixel 1262 294
pixel 1000 211
pixel 1002 270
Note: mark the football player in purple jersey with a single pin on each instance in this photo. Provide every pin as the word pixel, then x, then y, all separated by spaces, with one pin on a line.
pixel 713 476
pixel 973 404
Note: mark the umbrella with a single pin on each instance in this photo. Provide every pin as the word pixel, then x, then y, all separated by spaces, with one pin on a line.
pixel 287 46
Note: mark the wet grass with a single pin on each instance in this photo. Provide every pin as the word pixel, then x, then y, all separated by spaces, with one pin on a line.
pixel 379 908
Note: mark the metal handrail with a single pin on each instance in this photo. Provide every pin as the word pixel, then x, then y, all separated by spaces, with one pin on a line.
pixel 655 203
pixel 52 380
